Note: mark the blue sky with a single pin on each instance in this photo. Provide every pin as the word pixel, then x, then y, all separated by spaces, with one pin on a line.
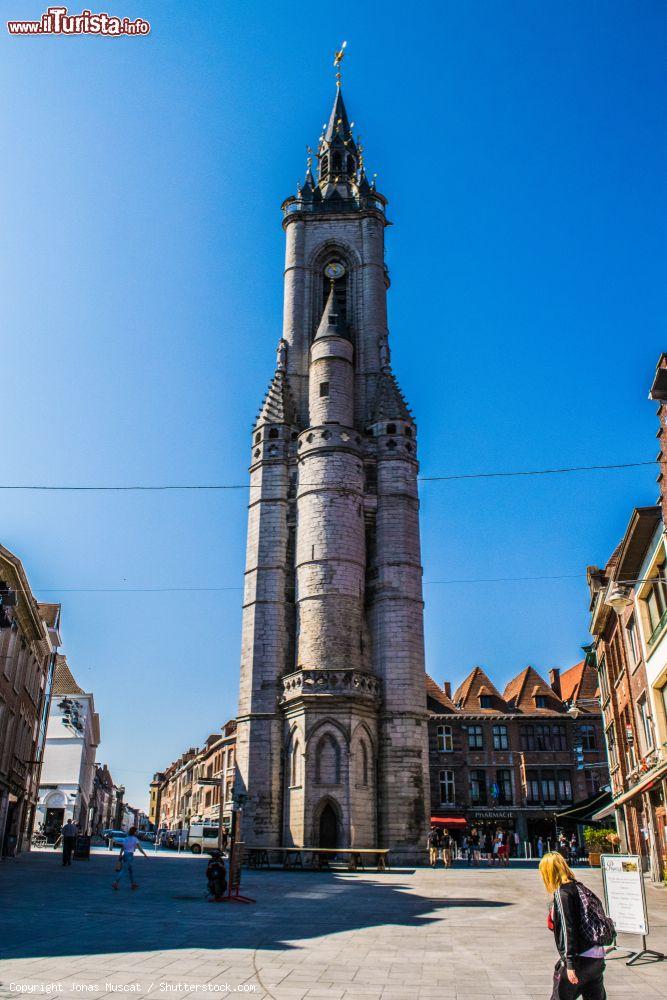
pixel 522 147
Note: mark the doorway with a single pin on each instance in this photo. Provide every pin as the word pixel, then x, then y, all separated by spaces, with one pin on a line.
pixel 328 827
pixel 53 824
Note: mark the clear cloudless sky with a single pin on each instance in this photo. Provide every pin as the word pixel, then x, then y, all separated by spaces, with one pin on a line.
pixel 522 147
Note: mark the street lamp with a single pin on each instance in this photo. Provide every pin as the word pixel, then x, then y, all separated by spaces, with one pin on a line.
pixel 618 597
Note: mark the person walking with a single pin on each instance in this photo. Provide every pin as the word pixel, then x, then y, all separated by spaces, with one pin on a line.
pixel 126 859
pixel 474 846
pixel 540 847
pixel 579 971
pixel 447 846
pixel 433 846
pixel 68 834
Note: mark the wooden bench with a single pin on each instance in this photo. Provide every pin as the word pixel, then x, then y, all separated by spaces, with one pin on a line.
pixel 319 857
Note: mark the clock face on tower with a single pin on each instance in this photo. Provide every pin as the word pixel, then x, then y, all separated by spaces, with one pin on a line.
pixel 334 270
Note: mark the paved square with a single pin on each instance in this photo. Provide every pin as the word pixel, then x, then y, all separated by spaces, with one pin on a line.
pixel 465 934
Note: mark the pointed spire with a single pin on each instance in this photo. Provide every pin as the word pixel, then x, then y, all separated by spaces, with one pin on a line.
pixel 278 406
pixel 332 324
pixel 389 402
pixel 339 124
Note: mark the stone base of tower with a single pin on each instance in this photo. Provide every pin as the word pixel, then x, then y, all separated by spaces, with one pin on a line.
pixel 330 775
pixel 404 800
pixel 258 775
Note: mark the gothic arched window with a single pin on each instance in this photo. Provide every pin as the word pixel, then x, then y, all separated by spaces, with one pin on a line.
pixel 364 762
pixel 327 761
pixel 324 166
pixel 350 164
pixel 336 164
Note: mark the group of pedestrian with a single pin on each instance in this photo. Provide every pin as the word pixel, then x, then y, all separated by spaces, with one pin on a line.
pixel 494 848
pixel 440 846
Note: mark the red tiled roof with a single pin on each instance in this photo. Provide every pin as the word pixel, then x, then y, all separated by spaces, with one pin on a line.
pixel 437 697
pixel 521 692
pixel 467 695
pixel 580 682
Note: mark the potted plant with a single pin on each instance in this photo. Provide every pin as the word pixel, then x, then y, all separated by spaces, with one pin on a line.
pixel 598 840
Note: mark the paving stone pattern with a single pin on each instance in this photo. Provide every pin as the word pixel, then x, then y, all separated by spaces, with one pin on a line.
pixel 411 934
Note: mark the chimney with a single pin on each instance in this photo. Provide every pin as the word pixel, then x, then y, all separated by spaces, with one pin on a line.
pixel 554 681
pixel 447 688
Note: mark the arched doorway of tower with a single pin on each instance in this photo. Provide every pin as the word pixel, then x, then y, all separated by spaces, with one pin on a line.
pixel 328 824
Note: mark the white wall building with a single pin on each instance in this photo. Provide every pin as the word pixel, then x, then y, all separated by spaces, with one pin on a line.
pixel 72 738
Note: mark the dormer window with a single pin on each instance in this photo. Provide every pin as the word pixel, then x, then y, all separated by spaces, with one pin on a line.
pixel 541 701
pixel 485 701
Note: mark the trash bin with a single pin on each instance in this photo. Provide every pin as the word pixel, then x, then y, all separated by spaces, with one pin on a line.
pixel 82 848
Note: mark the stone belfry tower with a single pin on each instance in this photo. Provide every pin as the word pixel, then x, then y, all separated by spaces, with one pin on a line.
pixel 332 736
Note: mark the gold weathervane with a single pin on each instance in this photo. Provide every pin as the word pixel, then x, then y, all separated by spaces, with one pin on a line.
pixel 338 58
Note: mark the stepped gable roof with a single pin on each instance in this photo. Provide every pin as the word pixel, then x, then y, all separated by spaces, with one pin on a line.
pixel 436 699
pixel 580 682
pixel 278 406
pixel 389 402
pixel 467 696
pixel 522 692
pixel 63 681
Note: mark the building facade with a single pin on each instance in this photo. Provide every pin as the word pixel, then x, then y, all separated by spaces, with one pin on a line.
pixel 515 760
pixel 28 642
pixel 332 741
pixel 68 772
pixel 102 802
pixel 199 786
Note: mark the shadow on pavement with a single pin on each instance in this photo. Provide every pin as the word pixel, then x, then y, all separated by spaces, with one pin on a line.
pixel 51 911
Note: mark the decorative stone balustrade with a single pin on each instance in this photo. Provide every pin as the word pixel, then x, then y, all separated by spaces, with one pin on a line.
pixel 348 683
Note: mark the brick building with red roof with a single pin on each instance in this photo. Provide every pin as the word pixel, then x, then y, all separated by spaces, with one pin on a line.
pixel 510 760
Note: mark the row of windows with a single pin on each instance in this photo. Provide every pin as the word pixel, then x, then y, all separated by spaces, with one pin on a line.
pixel 545 786
pixel 537 737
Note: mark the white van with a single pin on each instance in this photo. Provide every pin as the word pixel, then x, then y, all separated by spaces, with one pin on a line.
pixel 202 837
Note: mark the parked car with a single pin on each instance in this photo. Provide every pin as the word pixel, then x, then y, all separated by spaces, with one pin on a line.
pixel 114 838
pixel 146 835
pixel 202 837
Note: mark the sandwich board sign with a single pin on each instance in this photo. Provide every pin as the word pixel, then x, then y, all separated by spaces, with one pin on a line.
pixel 625 901
pixel 624 892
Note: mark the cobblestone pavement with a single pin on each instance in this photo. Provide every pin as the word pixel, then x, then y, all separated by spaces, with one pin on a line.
pixel 465 934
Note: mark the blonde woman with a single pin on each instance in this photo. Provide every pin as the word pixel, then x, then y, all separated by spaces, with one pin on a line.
pixel 580 926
